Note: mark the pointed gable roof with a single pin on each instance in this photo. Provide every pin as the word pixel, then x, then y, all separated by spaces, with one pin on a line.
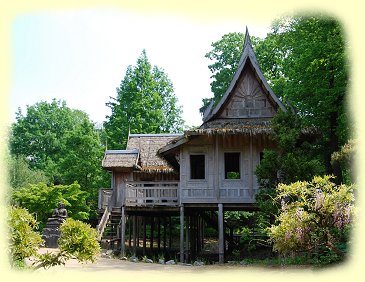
pixel 248 78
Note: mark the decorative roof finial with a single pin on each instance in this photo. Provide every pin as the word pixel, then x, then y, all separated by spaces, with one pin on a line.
pixel 247 38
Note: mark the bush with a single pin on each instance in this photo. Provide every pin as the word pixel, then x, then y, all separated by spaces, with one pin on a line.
pixel 79 239
pixel 315 218
pixel 24 241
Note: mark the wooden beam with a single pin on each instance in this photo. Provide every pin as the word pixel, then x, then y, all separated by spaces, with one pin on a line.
pixel 221 233
pixel 158 234
pixel 164 233
pixel 152 231
pixel 144 235
pixel 181 233
pixel 122 233
pixel 251 172
pixel 135 234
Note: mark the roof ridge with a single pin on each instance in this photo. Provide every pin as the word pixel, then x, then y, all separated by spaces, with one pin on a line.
pixel 156 135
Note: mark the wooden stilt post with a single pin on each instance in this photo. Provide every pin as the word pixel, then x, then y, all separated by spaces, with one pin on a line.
pixel 202 231
pixel 135 234
pixel 144 235
pixel 181 233
pixel 198 234
pixel 221 233
pixel 170 231
pixel 164 233
pixel 122 233
pixel 187 238
pixel 138 230
pixel 152 230
pixel 158 234
pixel 129 232
pixel 192 238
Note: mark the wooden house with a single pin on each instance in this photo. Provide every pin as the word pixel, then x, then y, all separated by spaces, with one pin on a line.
pixel 199 174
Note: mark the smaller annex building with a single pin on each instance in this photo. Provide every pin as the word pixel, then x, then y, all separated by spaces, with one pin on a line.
pixel 161 181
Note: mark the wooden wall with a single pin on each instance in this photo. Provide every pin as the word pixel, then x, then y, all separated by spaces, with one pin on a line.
pixel 215 188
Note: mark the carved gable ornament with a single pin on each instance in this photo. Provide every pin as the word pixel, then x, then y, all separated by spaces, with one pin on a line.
pixel 248 99
pixel 248 95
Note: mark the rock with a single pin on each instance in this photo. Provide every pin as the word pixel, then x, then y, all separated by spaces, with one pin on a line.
pixel 170 262
pixel 161 261
pixel 109 252
pixel 149 260
pixel 123 258
pixel 133 259
pixel 198 263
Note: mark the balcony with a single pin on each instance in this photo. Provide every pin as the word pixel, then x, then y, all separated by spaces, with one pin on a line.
pixel 144 193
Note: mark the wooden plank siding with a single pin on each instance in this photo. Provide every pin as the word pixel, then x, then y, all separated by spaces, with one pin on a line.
pixel 215 188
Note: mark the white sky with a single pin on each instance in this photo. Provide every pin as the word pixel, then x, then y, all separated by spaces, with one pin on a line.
pixel 81 56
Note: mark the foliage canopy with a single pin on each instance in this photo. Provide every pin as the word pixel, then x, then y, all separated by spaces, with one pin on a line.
pixel 41 199
pixel 145 103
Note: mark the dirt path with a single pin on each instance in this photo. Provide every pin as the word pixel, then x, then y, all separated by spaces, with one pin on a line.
pixel 114 264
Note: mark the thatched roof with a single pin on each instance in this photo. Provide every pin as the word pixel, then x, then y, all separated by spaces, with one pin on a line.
pixel 148 145
pixel 233 126
pixel 120 158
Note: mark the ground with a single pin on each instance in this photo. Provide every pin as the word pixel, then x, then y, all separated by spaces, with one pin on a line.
pixel 103 263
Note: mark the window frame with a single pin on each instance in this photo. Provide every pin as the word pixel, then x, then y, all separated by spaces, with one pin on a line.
pixel 205 166
pixel 239 165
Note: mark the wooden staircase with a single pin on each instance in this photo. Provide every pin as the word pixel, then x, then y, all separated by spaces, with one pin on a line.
pixel 108 227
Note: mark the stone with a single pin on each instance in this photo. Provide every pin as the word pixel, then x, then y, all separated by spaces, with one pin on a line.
pixel 51 232
pixel 149 260
pixel 133 259
pixel 161 261
pixel 170 262
pixel 123 258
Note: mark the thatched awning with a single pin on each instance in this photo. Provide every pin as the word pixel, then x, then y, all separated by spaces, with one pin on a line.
pixel 148 145
pixel 120 158
pixel 233 126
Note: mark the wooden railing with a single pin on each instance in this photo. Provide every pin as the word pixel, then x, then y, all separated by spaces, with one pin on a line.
pixel 105 202
pixel 164 193
pixel 104 198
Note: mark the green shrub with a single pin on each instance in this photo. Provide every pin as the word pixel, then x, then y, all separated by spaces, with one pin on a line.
pixel 79 240
pixel 315 218
pixel 24 241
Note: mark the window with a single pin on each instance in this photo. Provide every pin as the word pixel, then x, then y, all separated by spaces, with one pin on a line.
pixel 197 166
pixel 261 156
pixel 232 166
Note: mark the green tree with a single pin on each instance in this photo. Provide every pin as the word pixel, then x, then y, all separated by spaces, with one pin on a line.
pixel 38 135
pixel 21 175
pixel 315 218
pixel 59 141
pixel 145 103
pixel 42 199
pixel 345 158
pixel 316 69
pixel 84 156
pixel 24 241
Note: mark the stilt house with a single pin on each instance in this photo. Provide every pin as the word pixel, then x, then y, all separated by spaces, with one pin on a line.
pixel 195 176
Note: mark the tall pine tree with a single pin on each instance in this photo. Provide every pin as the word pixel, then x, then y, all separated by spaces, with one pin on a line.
pixel 145 103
